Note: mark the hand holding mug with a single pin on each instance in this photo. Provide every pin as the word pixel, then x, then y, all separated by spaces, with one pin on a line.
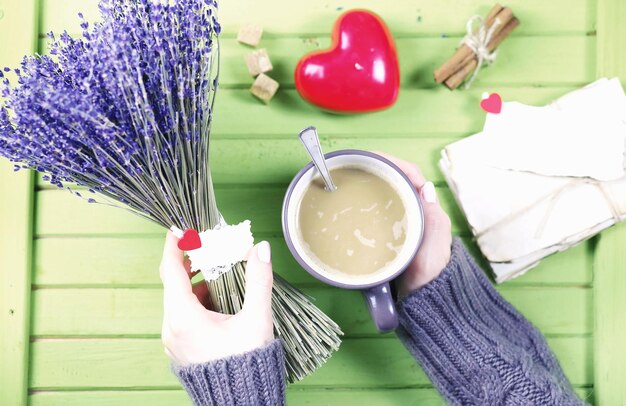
pixel 434 253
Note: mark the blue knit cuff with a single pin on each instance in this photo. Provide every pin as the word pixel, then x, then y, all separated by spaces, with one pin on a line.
pixel 474 346
pixel 464 293
pixel 253 378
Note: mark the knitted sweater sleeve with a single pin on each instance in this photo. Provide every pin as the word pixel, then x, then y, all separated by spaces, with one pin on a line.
pixel 474 346
pixel 252 378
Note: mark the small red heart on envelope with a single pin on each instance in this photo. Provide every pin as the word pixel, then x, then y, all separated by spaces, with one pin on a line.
pixel 492 104
pixel 190 240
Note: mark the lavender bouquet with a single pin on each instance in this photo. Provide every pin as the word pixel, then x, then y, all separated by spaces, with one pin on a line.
pixel 125 112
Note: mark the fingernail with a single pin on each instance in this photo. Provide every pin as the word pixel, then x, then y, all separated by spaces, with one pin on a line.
pixel 264 252
pixel 428 192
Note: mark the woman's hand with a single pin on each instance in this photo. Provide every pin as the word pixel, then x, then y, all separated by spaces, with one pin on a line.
pixel 434 253
pixel 191 333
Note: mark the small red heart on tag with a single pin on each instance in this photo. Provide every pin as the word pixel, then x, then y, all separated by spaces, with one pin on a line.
pixel 190 240
pixel 492 104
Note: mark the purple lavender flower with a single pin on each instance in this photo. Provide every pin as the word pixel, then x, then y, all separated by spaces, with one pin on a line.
pixel 125 110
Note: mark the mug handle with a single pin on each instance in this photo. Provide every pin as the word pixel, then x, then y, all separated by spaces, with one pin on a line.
pixel 382 307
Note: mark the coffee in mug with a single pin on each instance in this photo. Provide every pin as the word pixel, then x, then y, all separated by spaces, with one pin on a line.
pixel 357 229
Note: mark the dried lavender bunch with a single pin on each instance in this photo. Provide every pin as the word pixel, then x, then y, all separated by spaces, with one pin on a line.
pixel 126 111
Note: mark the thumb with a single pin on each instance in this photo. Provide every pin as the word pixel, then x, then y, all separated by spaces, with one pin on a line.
pixel 258 297
pixel 437 227
pixel 434 253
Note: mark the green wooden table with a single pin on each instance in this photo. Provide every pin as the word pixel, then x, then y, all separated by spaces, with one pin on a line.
pixel 80 298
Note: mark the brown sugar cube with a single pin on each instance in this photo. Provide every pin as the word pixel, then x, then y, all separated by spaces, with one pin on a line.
pixel 264 87
pixel 250 34
pixel 258 62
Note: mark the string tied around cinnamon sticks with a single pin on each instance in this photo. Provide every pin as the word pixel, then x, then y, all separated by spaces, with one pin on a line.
pixel 478 41
pixel 496 26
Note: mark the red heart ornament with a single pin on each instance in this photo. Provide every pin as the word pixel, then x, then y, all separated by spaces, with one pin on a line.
pixel 492 104
pixel 190 240
pixel 360 71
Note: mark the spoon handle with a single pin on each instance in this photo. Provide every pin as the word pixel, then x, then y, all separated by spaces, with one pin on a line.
pixel 311 142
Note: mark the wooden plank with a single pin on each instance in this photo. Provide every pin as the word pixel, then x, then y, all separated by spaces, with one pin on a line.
pixel 18 22
pixel 564 60
pixel 389 397
pixel 167 397
pixel 88 262
pixel 610 268
pixel 611 39
pixel 58 210
pixel 16 215
pixel 132 312
pixel 610 317
pixel 60 213
pixel 93 364
pixel 103 312
pixel 235 161
pixel 258 164
pixel 96 363
pixel 300 396
pixel 406 17
pixel 97 261
pixel 418 112
pixel 553 310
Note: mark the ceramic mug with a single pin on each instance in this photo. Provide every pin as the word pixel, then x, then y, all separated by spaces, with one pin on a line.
pixel 375 287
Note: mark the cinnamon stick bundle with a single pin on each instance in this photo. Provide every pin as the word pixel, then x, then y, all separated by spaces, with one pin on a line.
pixel 464 61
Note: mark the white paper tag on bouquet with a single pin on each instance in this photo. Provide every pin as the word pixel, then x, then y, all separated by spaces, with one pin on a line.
pixel 221 248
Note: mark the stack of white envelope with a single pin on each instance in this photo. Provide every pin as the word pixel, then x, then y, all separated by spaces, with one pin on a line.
pixel 538 180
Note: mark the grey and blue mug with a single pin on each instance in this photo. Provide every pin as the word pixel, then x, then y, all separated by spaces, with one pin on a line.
pixel 375 286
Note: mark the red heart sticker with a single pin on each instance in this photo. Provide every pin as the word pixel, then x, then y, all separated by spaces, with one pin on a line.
pixel 492 104
pixel 190 240
pixel 360 71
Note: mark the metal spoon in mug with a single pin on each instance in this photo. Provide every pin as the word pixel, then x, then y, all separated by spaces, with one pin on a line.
pixel 311 142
